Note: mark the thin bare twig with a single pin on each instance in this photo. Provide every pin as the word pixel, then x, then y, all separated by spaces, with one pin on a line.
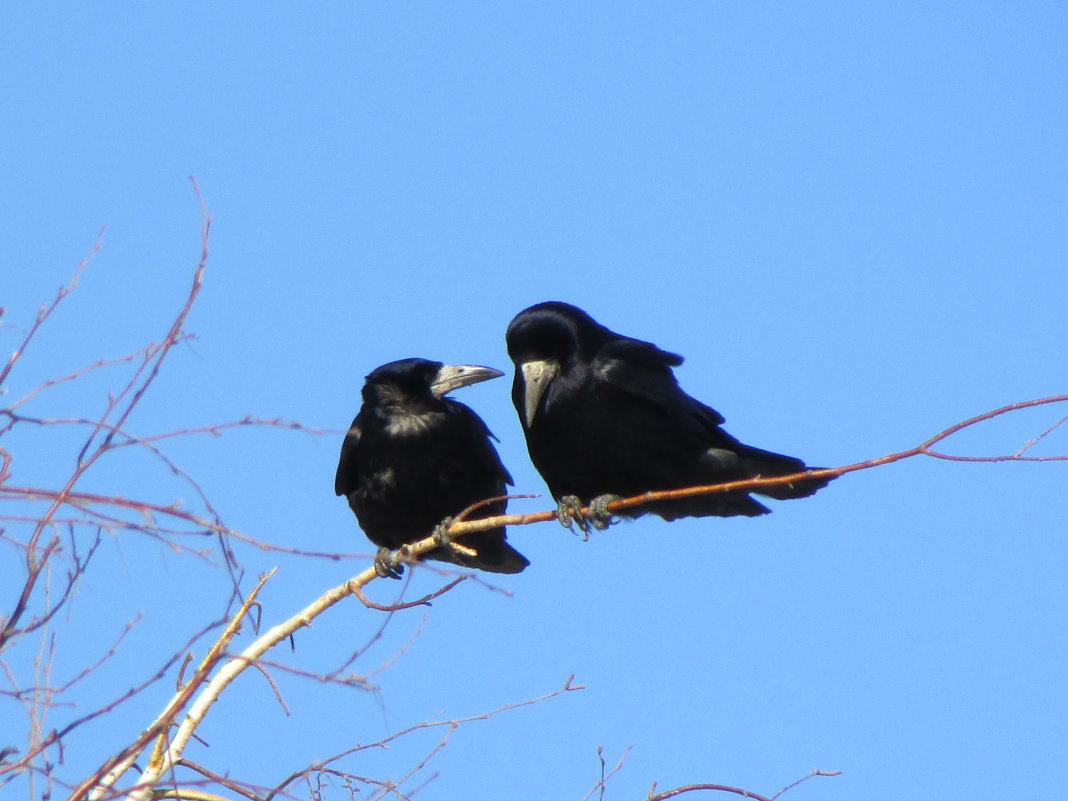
pixel 599 788
pixel 46 311
pixel 813 774
pixel 449 725
pixel 424 601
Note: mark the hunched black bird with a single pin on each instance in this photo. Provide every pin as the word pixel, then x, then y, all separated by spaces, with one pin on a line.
pixel 605 417
pixel 413 458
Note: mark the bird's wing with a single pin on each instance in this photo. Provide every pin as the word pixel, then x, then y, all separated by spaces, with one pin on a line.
pixel 487 452
pixel 502 471
pixel 643 371
pixel 347 478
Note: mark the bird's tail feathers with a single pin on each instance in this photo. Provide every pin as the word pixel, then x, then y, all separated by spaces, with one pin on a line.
pixel 766 464
pixel 492 553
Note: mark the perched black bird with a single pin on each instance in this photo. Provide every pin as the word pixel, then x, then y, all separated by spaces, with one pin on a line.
pixel 413 458
pixel 604 416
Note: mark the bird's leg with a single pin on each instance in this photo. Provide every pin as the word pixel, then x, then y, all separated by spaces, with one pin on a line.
pixel 569 511
pixel 386 565
pixel 597 514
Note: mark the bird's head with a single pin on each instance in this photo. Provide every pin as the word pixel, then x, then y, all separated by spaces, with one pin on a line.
pixel 543 341
pixel 412 381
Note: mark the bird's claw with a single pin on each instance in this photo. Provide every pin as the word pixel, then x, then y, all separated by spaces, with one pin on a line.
pixel 569 514
pixel 386 564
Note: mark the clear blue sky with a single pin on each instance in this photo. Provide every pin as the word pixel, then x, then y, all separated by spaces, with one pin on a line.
pixel 850 218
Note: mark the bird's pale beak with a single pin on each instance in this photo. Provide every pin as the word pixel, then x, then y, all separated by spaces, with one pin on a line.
pixel 454 376
pixel 536 378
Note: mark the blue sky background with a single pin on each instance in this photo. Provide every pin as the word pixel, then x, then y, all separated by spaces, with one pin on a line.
pixel 850 218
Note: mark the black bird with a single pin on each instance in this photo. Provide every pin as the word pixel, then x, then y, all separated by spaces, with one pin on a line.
pixel 604 416
pixel 412 458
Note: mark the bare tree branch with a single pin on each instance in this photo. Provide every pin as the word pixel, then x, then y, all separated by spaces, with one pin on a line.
pixel 449 725
pixel 724 788
pixel 46 311
pixel 925 448
pixel 599 788
pixel 108 773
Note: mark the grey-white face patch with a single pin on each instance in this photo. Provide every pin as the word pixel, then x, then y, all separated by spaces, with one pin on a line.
pixel 537 375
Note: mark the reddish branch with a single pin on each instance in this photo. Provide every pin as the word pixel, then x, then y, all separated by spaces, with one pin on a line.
pixel 724 788
pixel 46 311
pixel 424 601
pixel 137 386
pixel 925 448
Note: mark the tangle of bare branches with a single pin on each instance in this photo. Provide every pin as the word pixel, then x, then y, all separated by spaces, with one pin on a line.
pixel 148 765
pixel 229 670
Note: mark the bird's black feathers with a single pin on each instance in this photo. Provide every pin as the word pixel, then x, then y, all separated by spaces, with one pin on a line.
pixel 603 414
pixel 413 457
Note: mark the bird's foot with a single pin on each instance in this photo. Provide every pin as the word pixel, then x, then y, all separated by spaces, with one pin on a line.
pixel 569 513
pixel 386 564
pixel 441 533
pixel 597 514
pixel 445 539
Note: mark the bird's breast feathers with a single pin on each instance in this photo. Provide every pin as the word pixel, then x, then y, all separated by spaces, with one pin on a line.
pixel 407 425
